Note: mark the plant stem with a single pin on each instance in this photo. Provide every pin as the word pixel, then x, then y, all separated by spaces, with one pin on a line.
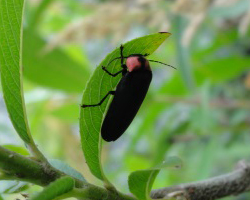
pixel 229 184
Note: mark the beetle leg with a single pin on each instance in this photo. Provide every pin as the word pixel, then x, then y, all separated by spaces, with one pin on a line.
pixel 100 103
pixel 124 66
pixel 114 75
pixel 122 58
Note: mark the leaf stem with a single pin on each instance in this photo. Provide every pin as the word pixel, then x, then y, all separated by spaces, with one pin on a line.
pixel 36 152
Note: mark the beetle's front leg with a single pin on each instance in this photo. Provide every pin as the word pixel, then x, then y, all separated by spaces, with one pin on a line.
pixel 109 73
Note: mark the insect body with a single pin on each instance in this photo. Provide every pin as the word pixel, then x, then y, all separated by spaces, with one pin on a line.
pixel 128 97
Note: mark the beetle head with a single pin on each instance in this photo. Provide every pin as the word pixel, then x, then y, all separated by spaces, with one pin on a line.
pixel 137 62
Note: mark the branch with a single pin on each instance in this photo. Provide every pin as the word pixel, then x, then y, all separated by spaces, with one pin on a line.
pixel 229 184
pixel 17 167
pixel 14 166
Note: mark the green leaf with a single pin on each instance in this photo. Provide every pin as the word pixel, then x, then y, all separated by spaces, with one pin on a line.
pixel 1 198
pixel 11 13
pixel 53 68
pixel 141 182
pixel 98 86
pixel 18 149
pixel 55 189
pixel 66 169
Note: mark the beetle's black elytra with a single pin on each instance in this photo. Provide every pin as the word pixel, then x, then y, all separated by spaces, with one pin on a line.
pixel 129 95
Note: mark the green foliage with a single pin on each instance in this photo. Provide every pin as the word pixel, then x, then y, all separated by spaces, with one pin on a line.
pixel 38 12
pixel 215 70
pixel 182 53
pixel 11 62
pixel 98 86
pixel 64 167
pixel 17 187
pixel 141 182
pixel 56 189
pixel 18 149
pixel 67 112
pixel 208 127
pixel 54 69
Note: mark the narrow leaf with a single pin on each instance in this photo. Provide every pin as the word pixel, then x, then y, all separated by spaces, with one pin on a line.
pixel 141 182
pixel 98 86
pixel 11 14
pixel 55 189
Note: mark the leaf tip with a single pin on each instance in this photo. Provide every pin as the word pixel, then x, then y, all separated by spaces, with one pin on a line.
pixel 167 33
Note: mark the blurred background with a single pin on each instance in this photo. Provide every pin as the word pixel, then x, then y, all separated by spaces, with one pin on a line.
pixel 199 112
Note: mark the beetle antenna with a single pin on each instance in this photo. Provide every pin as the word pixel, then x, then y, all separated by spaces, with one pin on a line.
pixel 162 63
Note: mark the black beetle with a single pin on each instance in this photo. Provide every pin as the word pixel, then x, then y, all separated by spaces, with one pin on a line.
pixel 129 95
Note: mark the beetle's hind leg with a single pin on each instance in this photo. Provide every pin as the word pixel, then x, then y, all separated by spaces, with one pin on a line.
pixel 100 103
